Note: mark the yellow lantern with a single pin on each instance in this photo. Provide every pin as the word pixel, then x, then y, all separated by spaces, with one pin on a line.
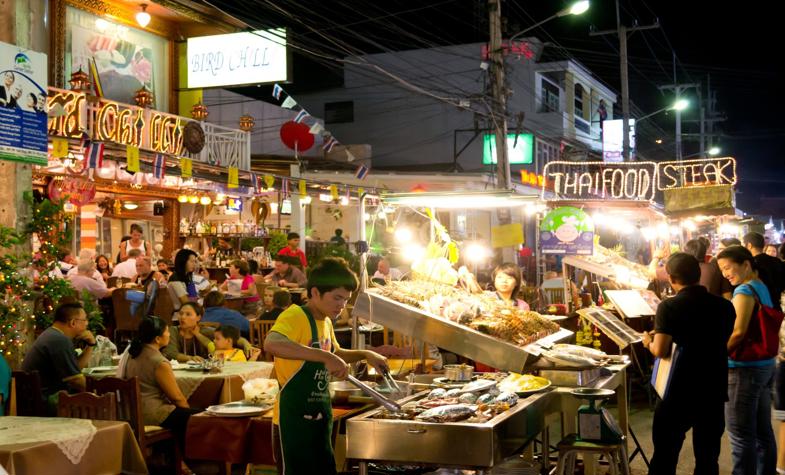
pixel 199 111
pixel 246 123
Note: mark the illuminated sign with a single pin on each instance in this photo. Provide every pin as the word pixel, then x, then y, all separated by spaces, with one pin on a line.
pixel 238 58
pixel 634 180
pixel 115 122
pixel 613 140
pixel 519 152
pixel 234 204
pixel 703 171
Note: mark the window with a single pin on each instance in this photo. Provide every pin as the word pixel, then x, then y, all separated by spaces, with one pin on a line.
pixel 546 152
pixel 339 112
pixel 578 100
pixel 550 96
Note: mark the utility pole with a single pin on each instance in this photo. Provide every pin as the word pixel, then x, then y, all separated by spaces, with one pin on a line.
pixel 678 89
pixel 624 32
pixel 709 116
pixel 498 94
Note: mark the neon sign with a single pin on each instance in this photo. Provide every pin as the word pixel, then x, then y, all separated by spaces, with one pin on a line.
pixel 634 180
pixel 114 122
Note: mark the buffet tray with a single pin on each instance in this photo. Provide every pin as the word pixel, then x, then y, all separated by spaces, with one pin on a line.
pixel 445 444
pixel 444 333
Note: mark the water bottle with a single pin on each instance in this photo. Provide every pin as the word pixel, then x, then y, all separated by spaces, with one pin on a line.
pixel 106 357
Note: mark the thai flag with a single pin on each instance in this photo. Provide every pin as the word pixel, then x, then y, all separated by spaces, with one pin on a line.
pixel 84 141
pixel 301 116
pixel 159 166
pixel 257 188
pixel 277 90
pixel 284 188
pixel 95 155
pixel 328 146
pixel 361 172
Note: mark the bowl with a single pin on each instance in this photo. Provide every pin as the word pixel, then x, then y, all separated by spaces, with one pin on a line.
pixel 341 390
pixel 458 372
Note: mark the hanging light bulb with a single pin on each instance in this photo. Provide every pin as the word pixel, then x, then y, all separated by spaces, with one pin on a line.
pixel 193 199
pixel 344 200
pixel 205 200
pixel 143 18
pixel 306 200
pixel 182 199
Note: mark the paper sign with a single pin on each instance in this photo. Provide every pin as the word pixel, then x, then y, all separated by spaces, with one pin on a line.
pixel 507 235
pixel 630 303
pixel 59 148
pixel 132 158
pixel 234 178
pixel 185 167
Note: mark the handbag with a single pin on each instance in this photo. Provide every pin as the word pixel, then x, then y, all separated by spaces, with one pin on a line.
pixel 761 342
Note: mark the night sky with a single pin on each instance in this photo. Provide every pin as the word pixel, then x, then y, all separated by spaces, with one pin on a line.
pixel 740 49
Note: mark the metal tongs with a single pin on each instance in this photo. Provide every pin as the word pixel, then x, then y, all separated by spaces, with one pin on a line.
pixel 391 406
pixel 391 382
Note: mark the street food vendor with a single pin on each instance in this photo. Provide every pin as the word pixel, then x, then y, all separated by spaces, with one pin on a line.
pixel 507 281
pixel 306 355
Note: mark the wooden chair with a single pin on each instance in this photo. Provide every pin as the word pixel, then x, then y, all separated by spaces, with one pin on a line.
pixel 125 321
pixel 28 385
pixel 87 406
pixel 129 409
pixel 259 331
pixel 163 308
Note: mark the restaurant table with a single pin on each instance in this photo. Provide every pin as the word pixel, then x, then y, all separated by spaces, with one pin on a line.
pixel 41 445
pixel 234 302
pixel 205 389
pixel 244 439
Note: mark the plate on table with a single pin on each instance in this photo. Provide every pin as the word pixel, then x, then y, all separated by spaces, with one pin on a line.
pixel 444 380
pixel 100 369
pixel 524 384
pixel 238 409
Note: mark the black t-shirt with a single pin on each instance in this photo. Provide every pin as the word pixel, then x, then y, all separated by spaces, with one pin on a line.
pixel 700 324
pixel 54 357
pixel 772 272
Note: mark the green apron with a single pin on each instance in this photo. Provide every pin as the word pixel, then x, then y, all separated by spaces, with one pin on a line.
pixel 306 417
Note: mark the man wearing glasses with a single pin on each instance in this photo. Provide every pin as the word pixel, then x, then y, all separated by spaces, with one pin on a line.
pixel 53 354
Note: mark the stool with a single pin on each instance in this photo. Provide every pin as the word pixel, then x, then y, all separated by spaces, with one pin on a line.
pixel 570 447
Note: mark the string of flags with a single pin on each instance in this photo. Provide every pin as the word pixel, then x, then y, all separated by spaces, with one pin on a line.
pixel 316 128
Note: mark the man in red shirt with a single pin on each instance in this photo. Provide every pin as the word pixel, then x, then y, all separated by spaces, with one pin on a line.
pixel 293 249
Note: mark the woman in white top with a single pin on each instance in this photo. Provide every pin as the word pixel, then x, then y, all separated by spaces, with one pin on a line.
pixel 136 242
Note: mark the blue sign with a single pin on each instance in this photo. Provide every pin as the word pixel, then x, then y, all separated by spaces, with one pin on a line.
pixel 567 230
pixel 23 112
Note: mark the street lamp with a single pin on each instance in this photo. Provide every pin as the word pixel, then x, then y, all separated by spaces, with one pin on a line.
pixel 576 8
pixel 714 151
pixel 679 105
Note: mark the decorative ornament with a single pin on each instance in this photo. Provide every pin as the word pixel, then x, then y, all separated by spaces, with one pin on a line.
pixel 80 81
pixel 143 97
pixel 199 111
pixel 246 123
pixel 117 207
pixel 296 136
pixel 193 137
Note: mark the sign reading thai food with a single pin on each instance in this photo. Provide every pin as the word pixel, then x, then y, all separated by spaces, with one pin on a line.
pixel 567 230
pixel 635 180
pixel 238 58
pixel 114 122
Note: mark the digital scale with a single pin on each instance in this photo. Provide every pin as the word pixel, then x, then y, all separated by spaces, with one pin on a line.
pixel 595 423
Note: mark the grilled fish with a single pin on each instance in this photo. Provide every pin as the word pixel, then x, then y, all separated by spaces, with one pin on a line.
pixel 451 413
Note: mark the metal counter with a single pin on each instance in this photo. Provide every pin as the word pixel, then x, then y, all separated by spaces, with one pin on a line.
pixel 444 333
pixel 452 444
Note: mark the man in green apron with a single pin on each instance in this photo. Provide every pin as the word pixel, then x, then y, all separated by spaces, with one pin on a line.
pixel 306 355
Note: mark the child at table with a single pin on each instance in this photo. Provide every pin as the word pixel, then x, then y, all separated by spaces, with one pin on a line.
pixel 282 299
pixel 225 338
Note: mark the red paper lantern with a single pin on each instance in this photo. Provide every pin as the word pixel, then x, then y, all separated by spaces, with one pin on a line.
pixel 296 136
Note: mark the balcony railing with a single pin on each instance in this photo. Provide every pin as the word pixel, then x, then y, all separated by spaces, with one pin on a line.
pixel 582 125
pixel 73 114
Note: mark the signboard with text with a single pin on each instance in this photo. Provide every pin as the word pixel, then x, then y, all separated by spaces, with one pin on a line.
pixel 238 58
pixel 23 86
pixel 520 149
pixel 635 180
pixel 613 140
pixel 568 231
